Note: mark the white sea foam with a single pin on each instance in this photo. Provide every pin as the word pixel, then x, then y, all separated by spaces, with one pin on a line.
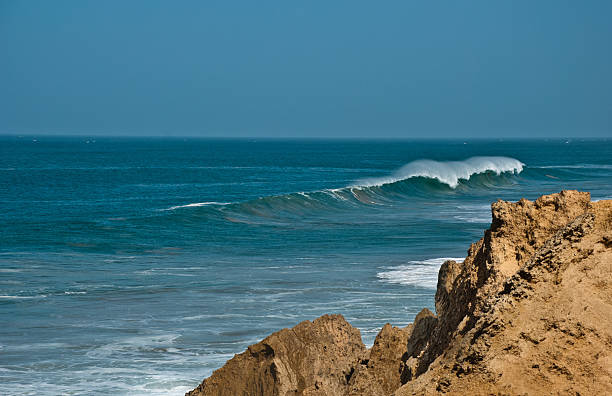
pixel 448 172
pixel 9 297
pixel 334 194
pixel 135 345
pixel 474 213
pixel 36 346
pixel 167 272
pixel 417 273
pixel 195 204
pixel 478 219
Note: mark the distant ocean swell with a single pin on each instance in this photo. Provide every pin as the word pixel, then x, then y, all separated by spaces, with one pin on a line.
pixel 417 178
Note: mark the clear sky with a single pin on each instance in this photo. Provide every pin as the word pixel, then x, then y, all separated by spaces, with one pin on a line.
pixel 307 68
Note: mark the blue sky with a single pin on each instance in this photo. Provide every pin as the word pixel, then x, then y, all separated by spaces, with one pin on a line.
pixel 400 69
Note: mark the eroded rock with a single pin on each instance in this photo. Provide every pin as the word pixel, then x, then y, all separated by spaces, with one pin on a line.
pixel 312 358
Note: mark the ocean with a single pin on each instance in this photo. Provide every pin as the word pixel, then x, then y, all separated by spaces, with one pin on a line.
pixel 133 266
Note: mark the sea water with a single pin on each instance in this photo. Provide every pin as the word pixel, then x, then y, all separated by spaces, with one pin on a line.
pixel 138 266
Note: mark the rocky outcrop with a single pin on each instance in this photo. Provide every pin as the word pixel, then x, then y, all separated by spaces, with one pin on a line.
pixel 529 311
pixel 517 231
pixel 538 318
pixel 312 358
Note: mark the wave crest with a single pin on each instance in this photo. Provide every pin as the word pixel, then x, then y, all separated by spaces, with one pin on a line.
pixel 196 204
pixel 447 172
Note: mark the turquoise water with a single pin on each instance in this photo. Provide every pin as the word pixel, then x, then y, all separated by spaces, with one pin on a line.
pixel 138 266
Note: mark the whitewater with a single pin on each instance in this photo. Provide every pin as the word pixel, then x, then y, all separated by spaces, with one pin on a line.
pixel 448 172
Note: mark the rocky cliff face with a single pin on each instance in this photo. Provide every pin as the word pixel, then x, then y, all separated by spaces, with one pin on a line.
pixel 529 311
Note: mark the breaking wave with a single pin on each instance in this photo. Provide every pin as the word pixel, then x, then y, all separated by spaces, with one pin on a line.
pixel 449 172
pixel 417 178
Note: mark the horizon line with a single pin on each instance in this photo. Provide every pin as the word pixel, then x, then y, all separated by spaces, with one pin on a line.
pixel 322 138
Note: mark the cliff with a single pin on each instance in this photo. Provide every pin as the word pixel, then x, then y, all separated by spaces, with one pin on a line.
pixel 529 311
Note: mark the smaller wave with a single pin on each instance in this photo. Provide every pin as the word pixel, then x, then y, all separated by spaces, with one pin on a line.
pixel 448 172
pixel 422 273
pixel 480 214
pixel 9 297
pixel 195 204
pixel 576 166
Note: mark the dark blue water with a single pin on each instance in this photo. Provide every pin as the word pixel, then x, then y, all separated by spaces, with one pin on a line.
pixel 138 266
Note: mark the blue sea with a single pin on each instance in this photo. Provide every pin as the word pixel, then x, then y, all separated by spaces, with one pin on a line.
pixel 138 266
